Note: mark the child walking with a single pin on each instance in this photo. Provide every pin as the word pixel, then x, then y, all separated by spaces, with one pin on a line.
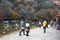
pixel 27 28
pixel 44 25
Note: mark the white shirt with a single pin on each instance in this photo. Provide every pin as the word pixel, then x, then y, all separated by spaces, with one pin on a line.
pixel 27 24
pixel 39 23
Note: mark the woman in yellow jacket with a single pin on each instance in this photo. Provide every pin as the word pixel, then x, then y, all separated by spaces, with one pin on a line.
pixel 44 25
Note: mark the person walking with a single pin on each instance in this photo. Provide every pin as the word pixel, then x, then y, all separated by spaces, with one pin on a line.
pixel 44 25
pixel 22 27
pixel 40 24
pixel 51 23
pixel 27 28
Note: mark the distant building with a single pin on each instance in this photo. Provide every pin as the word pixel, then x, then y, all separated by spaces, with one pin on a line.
pixel 6 23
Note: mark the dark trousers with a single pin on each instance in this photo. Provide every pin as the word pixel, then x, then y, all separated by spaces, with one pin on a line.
pixel 22 30
pixel 44 28
pixel 40 26
pixel 47 26
pixel 27 33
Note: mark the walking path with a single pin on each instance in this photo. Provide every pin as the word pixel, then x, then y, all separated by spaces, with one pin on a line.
pixel 35 34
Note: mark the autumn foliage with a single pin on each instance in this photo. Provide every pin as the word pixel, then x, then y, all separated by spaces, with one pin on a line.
pixel 1 14
pixel 14 14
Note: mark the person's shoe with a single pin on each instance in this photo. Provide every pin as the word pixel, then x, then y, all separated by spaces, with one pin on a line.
pixel 44 32
pixel 27 35
pixel 19 34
